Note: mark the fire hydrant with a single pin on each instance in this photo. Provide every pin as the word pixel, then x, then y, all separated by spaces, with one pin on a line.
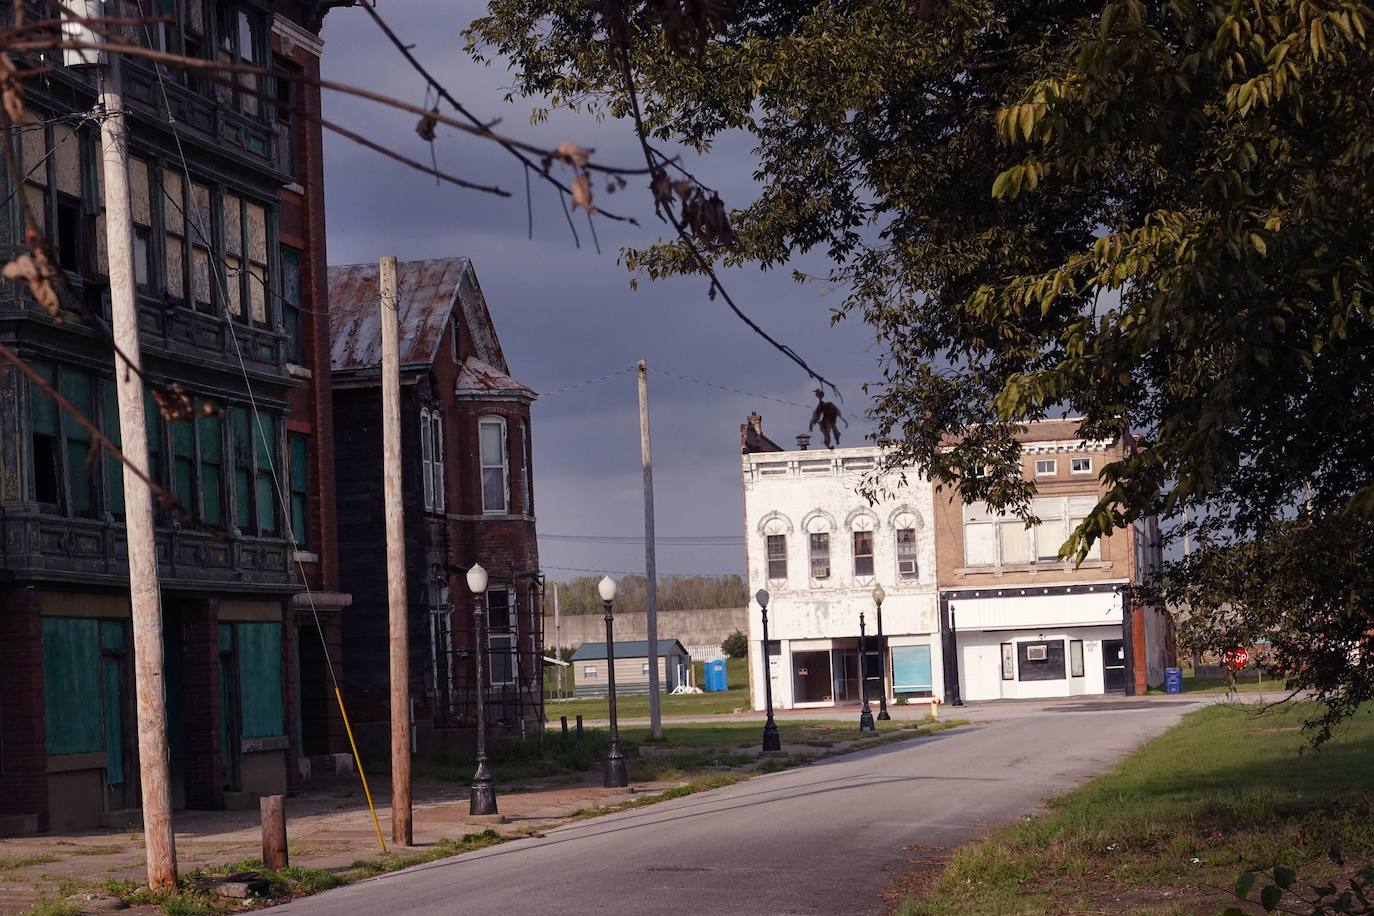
pixel 935 709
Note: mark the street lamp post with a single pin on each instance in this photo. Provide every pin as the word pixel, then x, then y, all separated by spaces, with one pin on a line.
pixel 866 715
pixel 482 795
pixel 771 741
pixel 878 595
pixel 616 775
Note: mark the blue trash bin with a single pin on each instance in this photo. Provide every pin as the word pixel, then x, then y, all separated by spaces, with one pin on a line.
pixel 1173 680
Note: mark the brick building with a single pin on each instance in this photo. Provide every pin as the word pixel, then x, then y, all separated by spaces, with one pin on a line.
pixel 467 490
pixel 1018 622
pixel 229 265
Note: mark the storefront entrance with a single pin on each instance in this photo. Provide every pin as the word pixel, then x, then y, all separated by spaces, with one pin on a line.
pixel 811 677
pixel 1114 665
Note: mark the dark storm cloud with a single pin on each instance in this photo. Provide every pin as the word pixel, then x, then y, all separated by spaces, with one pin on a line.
pixel 566 315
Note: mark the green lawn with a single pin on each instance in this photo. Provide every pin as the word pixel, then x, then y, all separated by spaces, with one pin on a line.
pixel 1247 682
pixel 694 704
pixel 1171 828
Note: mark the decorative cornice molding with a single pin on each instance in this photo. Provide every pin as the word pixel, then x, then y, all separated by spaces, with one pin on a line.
pixel 289 31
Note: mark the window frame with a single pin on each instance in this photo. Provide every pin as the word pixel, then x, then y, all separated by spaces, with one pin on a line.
pixel 817 554
pixel 298 486
pixel 907 552
pixel 505 637
pixel 436 430
pixel 1008 661
pixel 772 557
pixel 526 494
pixel 1084 470
pixel 426 462
pixel 857 556
pixel 291 313
pixel 1076 667
pixel 499 423
pixel 1050 467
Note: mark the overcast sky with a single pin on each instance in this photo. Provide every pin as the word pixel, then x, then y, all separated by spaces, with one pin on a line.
pixel 566 315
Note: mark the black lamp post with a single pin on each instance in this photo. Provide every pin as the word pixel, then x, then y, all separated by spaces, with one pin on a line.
pixel 616 775
pixel 482 795
pixel 878 595
pixel 866 715
pixel 771 741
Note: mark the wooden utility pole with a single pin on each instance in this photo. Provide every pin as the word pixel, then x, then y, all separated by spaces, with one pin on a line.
pixel 145 602
pixel 274 851
pixel 401 829
pixel 650 564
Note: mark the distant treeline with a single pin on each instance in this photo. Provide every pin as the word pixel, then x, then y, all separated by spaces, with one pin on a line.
pixel 675 593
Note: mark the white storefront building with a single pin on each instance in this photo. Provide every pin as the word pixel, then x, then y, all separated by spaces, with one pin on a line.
pixel 819 548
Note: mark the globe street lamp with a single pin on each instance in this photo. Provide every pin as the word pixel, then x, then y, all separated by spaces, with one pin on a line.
pixel 771 741
pixel 878 595
pixel 482 795
pixel 616 775
pixel 866 715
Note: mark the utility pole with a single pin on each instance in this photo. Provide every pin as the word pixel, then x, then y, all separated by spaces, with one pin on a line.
pixel 650 565
pixel 401 828
pixel 144 598
pixel 557 640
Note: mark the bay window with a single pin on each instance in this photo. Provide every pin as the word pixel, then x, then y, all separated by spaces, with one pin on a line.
pixel 495 465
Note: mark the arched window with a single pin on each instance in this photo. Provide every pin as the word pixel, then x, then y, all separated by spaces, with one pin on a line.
pixel 906 526
pixel 818 525
pixel 862 524
pixel 775 528
pixel 495 465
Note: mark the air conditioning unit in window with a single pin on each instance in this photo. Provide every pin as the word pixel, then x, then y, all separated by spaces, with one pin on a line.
pixel 820 572
pixel 81 33
pixel 906 569
pixel 1037 653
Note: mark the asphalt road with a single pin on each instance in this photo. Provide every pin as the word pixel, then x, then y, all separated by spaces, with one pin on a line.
pixel 820 839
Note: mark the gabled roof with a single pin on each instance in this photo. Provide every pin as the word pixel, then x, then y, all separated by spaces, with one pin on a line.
pixel 429 292
pixel 477 379
pixel 630 648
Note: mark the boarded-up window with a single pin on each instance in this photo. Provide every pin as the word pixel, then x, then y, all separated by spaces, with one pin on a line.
pixel 1079 508
pixel 173 207
pixel 1050 533
pixel 265 454
pixel 76 386
pixel 300 488
pixel 911 670
pixel 242 451
pixel 1040 661
pixel 1015 542
pixel 260 679
pixel 980 544
pixel 67 159
pixel 71 685
pixel 210 432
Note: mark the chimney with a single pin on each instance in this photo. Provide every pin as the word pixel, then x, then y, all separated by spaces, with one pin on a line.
pixel 756 422
pixel 803 441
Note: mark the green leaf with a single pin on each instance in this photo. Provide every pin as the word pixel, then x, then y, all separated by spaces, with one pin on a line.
pixel 1284 876
pixel 1270 897
pixel 1244 883
pixel 1258 243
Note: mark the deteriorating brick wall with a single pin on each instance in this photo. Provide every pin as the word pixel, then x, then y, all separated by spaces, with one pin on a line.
pixel 23 734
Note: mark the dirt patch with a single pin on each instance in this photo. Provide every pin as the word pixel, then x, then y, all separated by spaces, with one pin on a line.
pixel 924 866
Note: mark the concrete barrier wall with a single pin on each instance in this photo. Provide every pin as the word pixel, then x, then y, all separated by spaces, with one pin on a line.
pixel 708 627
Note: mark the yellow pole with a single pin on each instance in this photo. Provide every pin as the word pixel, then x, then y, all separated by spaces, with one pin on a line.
pixel 363 776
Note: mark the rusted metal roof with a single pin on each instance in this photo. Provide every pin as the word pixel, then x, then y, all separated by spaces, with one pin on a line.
pixel 477 378
pixel 429 292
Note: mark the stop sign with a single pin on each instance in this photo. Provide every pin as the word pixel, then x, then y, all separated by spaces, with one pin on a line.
pixel 1237 658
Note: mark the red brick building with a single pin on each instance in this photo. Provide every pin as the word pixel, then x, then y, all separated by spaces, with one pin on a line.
pixel 227 203
pixel 468 497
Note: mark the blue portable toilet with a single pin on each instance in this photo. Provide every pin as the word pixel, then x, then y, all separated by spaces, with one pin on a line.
pixel 1173 680
pixel 716 678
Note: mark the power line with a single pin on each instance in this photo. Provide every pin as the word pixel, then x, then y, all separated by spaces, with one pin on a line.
pixel 727 388
pixel 625 572
pixel 591 381
pixel 725 541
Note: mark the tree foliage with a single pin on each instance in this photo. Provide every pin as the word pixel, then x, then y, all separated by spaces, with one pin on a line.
pixel 736 645
pixel 1155 216
pixel 675 593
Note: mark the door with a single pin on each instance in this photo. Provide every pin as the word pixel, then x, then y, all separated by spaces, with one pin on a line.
pixel 811 677
pixel 1114 665
pixel 846 666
